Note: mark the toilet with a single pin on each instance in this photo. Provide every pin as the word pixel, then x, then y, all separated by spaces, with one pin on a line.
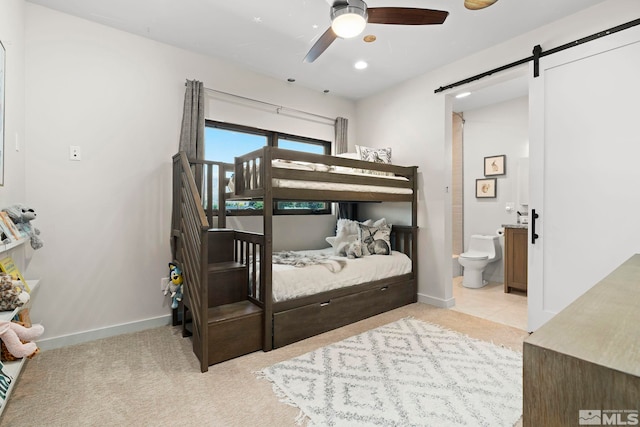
pixel 482 250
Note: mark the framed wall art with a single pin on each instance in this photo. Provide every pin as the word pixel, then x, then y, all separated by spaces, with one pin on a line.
pixel 495 165
pixel 486 188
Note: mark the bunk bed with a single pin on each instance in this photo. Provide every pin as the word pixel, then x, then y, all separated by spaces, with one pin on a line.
pixel 271 174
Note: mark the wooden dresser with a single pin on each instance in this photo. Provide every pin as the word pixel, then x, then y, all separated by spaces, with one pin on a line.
pixel 584 364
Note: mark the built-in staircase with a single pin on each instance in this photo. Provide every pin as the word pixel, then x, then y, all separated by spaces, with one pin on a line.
pixel 221 311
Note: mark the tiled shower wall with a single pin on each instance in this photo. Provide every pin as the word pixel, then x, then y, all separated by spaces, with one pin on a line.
pixel 456 190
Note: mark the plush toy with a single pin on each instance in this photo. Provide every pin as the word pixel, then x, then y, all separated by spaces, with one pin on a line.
pixel 354 250
pixel 17 339
pixel 175 285
pixel 22 216
pixel 12 295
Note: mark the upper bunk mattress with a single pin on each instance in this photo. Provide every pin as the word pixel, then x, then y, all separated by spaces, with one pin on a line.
pixel 333 186
pixel 289 282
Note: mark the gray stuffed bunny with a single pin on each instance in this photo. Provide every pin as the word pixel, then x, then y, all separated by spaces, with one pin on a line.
pixel 22 216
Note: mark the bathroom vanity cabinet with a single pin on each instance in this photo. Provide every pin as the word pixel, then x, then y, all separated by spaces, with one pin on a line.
pixel 515 258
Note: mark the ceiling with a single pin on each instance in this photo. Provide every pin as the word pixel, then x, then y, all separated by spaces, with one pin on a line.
pixel 273 36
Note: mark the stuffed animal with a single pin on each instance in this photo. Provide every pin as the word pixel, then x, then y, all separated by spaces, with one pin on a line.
pixel 354 250
pixel 22 216
pixel 11 294
pixel 175 285
pixel 17 339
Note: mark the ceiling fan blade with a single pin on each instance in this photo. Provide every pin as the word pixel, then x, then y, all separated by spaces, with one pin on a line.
pixel 406 16
pixel 478 4
pixel 321 45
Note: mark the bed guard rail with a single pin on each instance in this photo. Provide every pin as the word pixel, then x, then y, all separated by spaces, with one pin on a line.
pixel 249 250
pixel 254 170
pixel 404 238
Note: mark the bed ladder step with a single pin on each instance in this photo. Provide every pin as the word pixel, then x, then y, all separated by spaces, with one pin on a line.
pixel 228 282
pixel 234 330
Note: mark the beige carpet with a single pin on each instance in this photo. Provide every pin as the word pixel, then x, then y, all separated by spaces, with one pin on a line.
pixel 152 378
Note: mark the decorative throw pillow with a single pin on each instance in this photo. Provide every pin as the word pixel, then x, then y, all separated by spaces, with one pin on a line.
pixel 375 155
pixel 375 240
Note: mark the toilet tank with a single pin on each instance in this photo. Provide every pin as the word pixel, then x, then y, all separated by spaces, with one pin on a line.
pixel 486 244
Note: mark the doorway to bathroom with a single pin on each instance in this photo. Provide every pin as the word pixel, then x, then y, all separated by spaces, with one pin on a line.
pixel 491 122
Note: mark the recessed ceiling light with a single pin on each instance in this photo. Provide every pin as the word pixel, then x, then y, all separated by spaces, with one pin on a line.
pixel 463 95
pixel 369 38
pixel 360 65
pixel 257 19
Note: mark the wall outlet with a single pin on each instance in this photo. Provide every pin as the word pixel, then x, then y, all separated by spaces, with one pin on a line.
pixel 164 282
pixel 74 153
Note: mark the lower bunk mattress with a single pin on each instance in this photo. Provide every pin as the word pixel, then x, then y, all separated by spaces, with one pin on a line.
pixel 290 282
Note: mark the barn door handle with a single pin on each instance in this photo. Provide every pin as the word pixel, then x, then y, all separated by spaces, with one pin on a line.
pixel 534 235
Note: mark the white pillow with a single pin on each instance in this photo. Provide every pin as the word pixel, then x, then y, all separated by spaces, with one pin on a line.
pixel 350 225
pixel 375 155
pixel 341 243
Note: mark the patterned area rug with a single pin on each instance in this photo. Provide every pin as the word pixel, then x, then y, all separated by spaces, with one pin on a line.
pixel 406 373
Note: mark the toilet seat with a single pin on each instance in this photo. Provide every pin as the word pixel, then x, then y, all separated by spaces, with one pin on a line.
pixel 474 256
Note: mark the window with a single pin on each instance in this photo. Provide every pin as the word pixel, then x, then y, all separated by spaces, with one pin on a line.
pixel 224 141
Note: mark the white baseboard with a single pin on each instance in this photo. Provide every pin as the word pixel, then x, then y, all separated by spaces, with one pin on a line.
pixel 438 302
pixel 96 334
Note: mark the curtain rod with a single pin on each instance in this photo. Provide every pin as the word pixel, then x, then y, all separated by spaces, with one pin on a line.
pixel 538 53
pixel 277 107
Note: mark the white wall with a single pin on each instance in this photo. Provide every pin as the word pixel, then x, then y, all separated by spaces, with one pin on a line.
pixel 493 130
pixel 417 123
pixel 105 220
pixel 12 15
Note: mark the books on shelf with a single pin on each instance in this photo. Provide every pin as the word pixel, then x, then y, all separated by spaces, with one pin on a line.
pixel 7 265
pixel 8 223
pixel 5 233
pixel 5 383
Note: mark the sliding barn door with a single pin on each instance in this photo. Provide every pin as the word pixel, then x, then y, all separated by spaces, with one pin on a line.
pixel 585 169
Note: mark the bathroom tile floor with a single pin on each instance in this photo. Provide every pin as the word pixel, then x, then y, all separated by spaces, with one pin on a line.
pixel 492 303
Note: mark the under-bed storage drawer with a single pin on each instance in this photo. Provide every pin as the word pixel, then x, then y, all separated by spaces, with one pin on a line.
pixel 299 323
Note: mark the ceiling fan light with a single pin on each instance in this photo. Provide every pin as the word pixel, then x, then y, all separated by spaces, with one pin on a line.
pixel 478 4
pixel 348 21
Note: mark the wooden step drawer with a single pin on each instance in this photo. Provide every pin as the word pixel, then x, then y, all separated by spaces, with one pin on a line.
pixel 234 330
pixel 303 322
pixel 220 242
pixel 228 283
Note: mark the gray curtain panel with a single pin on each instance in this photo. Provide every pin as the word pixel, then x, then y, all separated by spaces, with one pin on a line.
pixel 341 126
pixel 345 210
pixel 192 132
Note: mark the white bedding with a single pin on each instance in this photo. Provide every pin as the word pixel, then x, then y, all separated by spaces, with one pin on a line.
pixel 333 186
pixel 290 282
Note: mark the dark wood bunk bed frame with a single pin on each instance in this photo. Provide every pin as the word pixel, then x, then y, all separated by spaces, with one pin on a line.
pixel 222 323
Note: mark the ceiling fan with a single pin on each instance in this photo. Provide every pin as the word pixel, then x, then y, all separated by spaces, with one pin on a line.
pixel 349 17
pixel 478 4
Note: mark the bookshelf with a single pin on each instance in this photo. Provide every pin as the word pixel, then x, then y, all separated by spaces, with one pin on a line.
pixel 14 368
